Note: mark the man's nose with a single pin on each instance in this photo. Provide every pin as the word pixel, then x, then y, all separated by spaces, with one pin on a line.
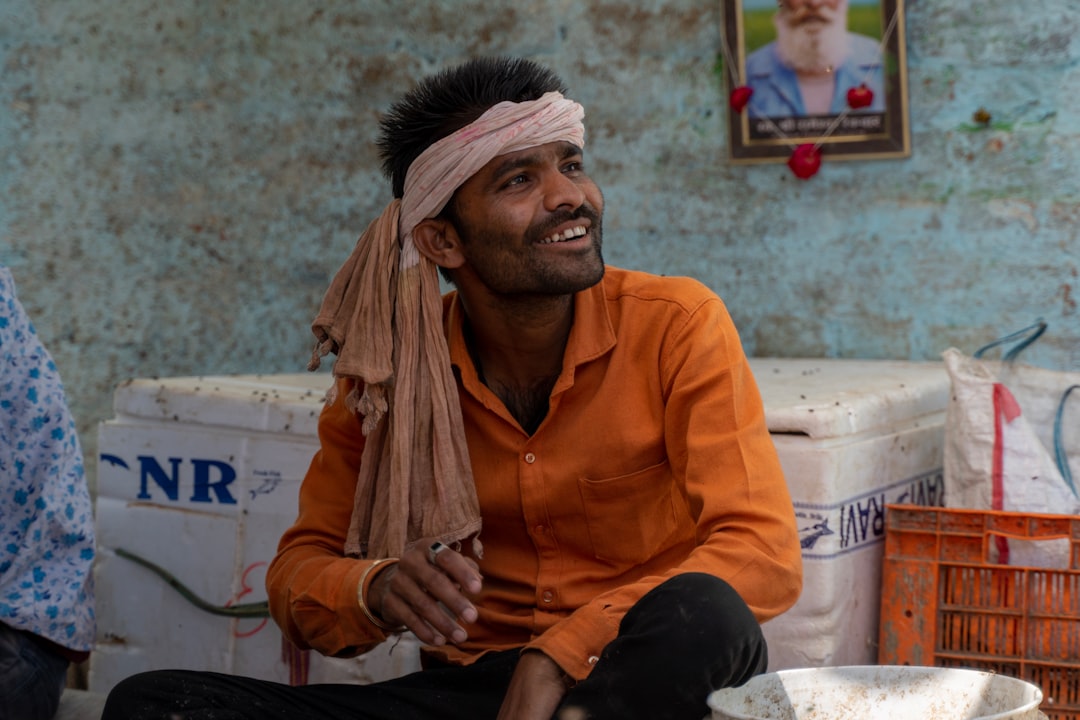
pixel 561 191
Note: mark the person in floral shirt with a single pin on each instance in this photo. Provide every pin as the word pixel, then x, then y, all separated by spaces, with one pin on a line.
pixel 46 524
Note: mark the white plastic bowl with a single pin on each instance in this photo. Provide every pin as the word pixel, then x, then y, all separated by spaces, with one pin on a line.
pixel 889 692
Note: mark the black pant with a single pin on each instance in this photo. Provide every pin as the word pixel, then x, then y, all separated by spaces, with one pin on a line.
pixel 32 676
pixel 688 636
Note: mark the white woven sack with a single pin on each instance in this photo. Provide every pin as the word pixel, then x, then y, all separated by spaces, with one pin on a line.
pixel 1031 481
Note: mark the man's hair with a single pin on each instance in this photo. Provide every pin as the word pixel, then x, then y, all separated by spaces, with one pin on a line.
pixel 451 99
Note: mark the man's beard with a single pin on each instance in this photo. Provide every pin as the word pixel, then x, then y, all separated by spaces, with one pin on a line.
pixel 812 41
pixel 520 273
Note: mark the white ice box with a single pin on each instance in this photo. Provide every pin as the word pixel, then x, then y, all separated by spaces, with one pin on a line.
pixel 200 476
pixel 852 435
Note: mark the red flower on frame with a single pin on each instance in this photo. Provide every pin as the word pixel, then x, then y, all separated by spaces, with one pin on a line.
pixel 739 97
pixel 805 161
pixel 860 97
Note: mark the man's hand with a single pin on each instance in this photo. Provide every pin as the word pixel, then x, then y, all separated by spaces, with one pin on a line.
pixel 428 598
pixel 536 689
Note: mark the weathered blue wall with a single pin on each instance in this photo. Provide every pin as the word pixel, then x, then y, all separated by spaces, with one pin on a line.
pixel 178 180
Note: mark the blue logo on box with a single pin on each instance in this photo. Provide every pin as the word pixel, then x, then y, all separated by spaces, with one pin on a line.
pixel 828 531
pixel 210 478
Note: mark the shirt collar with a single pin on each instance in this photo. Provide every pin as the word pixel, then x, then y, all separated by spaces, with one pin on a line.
pixel 591 336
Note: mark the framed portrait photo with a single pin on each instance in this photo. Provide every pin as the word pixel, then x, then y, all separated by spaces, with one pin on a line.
pixel 832 73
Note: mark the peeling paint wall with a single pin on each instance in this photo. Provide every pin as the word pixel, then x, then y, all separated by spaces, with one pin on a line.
pixel 179 180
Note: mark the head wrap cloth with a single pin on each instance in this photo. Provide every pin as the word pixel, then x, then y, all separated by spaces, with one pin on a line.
pixel 382 317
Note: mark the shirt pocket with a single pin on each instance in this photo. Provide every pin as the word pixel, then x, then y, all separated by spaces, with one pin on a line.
pixel 629 517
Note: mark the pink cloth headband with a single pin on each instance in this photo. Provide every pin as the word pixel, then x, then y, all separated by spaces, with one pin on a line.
pixel 506 127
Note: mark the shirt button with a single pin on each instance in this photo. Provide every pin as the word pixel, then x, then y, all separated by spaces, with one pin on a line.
pixel 593 660
pixel 540 529
pixel 530 458
pixel 548 597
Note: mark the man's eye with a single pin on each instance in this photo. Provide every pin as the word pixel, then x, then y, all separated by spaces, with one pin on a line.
pixel 572 167
pixel 516 180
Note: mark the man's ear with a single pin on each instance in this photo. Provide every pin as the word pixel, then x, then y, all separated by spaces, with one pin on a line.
pixel 438 241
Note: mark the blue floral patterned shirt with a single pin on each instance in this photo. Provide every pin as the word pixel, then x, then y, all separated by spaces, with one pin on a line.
pixel 46 519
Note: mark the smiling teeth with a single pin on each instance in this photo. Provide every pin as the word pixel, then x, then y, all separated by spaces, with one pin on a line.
pixel 570 234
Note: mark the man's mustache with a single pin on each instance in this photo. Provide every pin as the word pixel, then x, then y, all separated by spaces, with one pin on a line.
pixel 553 221
pixel 809 16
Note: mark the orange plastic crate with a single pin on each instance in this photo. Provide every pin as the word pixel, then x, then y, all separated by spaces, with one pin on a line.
pixel 945 602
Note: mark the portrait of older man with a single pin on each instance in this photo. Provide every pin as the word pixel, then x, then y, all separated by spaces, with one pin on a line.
pixel 813 63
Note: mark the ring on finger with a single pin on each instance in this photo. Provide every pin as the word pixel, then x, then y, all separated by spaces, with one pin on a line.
pixel 434 550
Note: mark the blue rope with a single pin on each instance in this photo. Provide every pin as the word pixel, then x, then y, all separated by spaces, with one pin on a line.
pixel 1059 447
pixel 1035 331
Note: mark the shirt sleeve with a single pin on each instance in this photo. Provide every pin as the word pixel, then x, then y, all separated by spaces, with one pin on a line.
pixel 311 586
pixel 721 453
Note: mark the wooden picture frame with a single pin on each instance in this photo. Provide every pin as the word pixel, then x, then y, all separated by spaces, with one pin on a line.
pixel 776 118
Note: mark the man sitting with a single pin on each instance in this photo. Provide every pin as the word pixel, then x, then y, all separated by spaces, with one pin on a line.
pixel 558 476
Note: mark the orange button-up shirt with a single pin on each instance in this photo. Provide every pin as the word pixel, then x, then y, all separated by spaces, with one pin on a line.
pixel 654 459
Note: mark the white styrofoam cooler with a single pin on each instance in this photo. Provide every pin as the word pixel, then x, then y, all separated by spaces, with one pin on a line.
pixel 852 435
pixel 200 476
